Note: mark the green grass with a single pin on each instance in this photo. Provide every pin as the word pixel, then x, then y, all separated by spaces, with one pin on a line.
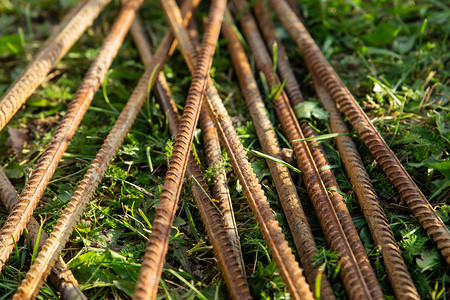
pixel 392 55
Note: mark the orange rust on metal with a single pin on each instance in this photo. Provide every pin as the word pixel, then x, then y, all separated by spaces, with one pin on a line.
pixel 330 216
pixel 383 236
pixel 47 163
pixel 90 182
pixel 268 224
pixel 57 45
pixel 213 154
pixel 53 246
pixel 142 43
pixel 284 183
pixel 229 257
pixel 295 97
pixel 148 282
pixel 214 160
pixel 389 162
pixel 60 275
pixel 342 212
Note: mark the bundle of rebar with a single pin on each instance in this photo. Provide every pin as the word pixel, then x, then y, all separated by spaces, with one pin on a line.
pixel 317 64
pixel 204 106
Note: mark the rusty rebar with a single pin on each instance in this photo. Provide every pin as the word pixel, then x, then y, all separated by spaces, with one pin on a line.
pixel 382 234
pixel 290 201
pixel 317 63
pixel 342 212
pixel 61 277
pixel 57 46
pixel 214 160
pixel 281 252
pixel 268 224
pixel 148 282
pixel 354 268
pixel 219 184
pixel 295 97
pixel 47 163
pixel 221 237
pixel 70 216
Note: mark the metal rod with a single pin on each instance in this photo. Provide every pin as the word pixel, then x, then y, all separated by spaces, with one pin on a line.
pixel 399 277
pixel 389 162
pixel 47 163
pixel 330 212
pixel 214 160
pixel 70 216
pixel 53 50
pixel 284 183
pixel 221 237
pixel 328 178
pixel 60 275
pixel 148 282
pixel 281 252
pixel 382 234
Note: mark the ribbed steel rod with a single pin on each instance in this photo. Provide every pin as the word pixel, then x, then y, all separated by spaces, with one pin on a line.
pixel 268 224
pixel 214 160
pixel 148 282
pixel 399 277
pixel 295 97
pixel 383 236
pixel 219 187
pixel 332 217
pixel 60 275
pixel 221 237
pixel 389 162
pixel 71 215
pixel 47 163
pixel 284 183
pixel 53 50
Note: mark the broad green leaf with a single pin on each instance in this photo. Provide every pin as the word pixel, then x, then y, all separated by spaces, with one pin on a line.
pixel 428 260
pixel 403 44
pixel 309 109
pixel 125 286
pixel 14 171
pixel 382 35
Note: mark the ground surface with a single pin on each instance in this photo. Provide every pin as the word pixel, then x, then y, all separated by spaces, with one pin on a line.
pixel 392 55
